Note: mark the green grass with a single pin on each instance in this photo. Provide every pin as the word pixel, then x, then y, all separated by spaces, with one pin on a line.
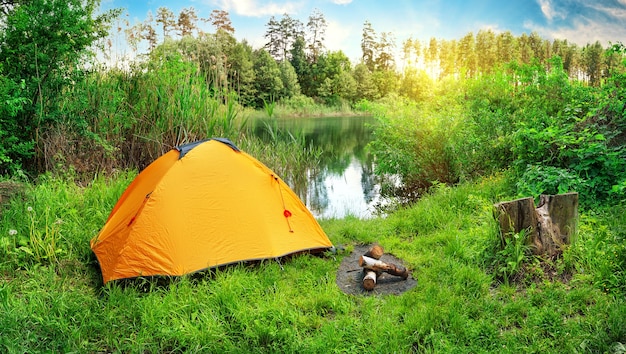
pixel 58 304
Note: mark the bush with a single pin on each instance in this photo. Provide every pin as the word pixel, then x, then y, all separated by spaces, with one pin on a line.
pixel 483 142
pixel 573 145
pixel 15 146
pixel 414 142
pixel 538 180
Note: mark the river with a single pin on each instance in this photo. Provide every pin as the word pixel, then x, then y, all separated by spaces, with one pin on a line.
pixel 345 184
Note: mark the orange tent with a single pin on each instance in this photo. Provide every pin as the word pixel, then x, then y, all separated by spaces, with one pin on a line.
pixel 202 205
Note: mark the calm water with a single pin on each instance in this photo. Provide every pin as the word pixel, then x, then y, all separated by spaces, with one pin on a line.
pixel 345 183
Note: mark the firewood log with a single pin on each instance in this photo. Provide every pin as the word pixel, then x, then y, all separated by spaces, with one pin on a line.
pixel 369 280
pixel 380 266
pixel 375 252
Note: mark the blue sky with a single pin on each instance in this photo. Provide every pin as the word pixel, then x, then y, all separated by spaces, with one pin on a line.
pixel 578 21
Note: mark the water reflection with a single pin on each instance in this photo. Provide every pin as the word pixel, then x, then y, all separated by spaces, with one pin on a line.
pixel 345 183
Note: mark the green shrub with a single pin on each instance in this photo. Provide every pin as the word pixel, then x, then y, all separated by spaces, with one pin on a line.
pixel 15 146
pixel 538 180
pixel 483 144
pixel 414 142
pixel 509 260
pixel 568 148
pixel 135 116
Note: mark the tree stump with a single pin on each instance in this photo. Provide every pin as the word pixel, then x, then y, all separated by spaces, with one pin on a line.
pixel 550 225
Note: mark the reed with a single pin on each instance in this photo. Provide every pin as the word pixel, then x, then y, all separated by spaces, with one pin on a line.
pixel 133 116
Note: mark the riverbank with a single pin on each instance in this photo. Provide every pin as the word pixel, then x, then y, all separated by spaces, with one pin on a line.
pixel 343 181
pixel 305 107
pixel 55 302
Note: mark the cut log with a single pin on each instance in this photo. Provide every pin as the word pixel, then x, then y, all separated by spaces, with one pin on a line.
pixel 380 266
pixel 375 252
pixel 549 226
pixel 369 280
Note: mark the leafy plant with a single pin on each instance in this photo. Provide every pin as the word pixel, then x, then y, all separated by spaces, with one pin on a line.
pixel 42 244
pixel 538 180
pixel 13 148
pixel 413 142
pixel 54 46
pixel 509 261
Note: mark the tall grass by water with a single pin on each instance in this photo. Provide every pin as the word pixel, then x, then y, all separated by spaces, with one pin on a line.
pixel 58 304
pixel 135 116
pixel 132 117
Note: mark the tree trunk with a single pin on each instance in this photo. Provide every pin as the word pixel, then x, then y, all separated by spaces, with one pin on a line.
pixel 549 226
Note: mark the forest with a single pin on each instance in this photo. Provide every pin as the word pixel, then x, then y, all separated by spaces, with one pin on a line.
pixel 56 87
pixel 465 123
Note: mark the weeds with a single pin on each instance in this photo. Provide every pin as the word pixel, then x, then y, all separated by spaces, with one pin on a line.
pixel 457 305
pixel 269 108
pixel 41 245
pixel 510 260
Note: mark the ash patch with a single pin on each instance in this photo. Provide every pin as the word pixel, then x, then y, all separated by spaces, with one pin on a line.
pixel 350 276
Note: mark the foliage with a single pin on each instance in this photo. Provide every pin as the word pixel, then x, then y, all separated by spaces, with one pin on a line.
pixel 290 40
pixel 498 94
pixel 537 180
pixel 225 63
pixel 286 153
pixel 304 106
pixel 281 35
pixel 365 88
pixel 416 85
pixel 574 139
pixel 414 142
pixel 268 83
pixel 509 256
pixel 458 304
pixel 554 134
pixel 484 143
pixel 12 149
pixel 42 43
pixel 288 76
pixel 135 116
pixel 333 81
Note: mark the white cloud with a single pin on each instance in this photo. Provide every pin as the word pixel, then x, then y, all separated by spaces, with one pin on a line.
pixel 593 22
pixel 549 11
pixel 495 28
pixel 342 2
pixel 618 13
pixel 256 8
pixel 582 32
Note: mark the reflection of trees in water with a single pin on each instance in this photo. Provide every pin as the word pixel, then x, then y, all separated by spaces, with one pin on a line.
pixel 341 139
pixel 317 193
pixel 369 180
pixel 299 186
